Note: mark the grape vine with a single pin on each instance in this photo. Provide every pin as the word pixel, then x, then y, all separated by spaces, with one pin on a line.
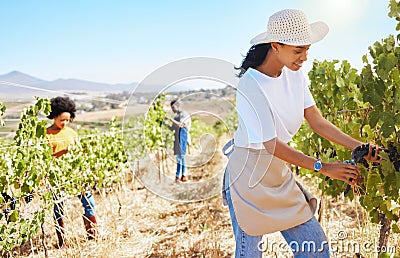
pixel 366 105
pixel 2 111
pixel 30 173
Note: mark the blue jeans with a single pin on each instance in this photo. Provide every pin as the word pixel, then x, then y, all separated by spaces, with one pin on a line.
pixel 180 165
pixel 87 201
pixel 305 240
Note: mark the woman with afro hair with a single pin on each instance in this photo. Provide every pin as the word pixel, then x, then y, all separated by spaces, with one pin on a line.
pixel 60 137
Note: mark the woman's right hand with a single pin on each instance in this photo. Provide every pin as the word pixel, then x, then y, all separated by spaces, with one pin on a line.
pixel 341 171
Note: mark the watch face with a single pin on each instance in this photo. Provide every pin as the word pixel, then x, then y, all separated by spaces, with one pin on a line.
pixel 317 166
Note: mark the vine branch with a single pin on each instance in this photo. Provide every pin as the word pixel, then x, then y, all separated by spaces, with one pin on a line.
pixel 363 122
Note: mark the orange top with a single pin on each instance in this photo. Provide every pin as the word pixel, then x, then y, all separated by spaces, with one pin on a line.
pixel 60 140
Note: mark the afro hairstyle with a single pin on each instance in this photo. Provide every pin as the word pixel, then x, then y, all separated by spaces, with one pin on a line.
pixel 60 105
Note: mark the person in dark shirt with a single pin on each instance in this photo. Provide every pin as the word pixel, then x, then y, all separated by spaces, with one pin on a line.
pixel 181 126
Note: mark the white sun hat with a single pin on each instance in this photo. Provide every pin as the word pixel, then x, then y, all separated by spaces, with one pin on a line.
pixel 291 27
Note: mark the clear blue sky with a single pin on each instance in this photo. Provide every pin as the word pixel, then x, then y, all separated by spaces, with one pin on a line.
pixel 122 41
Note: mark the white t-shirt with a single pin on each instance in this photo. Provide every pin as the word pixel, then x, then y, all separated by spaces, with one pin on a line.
pixel 270 107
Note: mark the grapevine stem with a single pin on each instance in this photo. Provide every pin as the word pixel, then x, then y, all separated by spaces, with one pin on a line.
pixel 321 207
pixel 363 122
pixel 46 254
pixel 346 111
pixel 119 204
pixel 384 231
pixel 159 164
pixel 164 160
pixel 393 110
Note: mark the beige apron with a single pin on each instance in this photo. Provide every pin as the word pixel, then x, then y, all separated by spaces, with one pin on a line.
pixel 265 195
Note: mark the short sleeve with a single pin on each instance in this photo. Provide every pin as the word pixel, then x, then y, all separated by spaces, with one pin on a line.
pixel 256 122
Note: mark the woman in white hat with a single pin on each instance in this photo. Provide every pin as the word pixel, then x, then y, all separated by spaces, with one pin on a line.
pixel 272 100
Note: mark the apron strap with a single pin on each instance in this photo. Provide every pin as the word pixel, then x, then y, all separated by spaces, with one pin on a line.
pixel 228 148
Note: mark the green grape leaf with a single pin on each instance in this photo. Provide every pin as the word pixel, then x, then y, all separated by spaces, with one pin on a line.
pixel 395 228
pixel 384 255
pixel 13 216
pixel 387 129
pixel 374 117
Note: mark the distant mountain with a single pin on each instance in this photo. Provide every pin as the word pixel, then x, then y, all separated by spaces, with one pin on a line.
pixel 20 78
pixel 29 86
pixel 26 86
pixel 81 85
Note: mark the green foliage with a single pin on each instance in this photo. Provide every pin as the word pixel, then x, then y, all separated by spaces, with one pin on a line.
pixel 380 81
pixel 23 169
pixel 200 128
pixel 2 111
pixel 229 125
pixel 155 130
pixel 334 87
pixel 366 106
pixel 365 120
pixel 394 12
pixel 384 255
pixel 98 158
pixel 28 167
pixel 134 137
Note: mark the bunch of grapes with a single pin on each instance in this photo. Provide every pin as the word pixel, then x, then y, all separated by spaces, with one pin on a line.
pixel 28 198
pixel 12 203
pixel 394 156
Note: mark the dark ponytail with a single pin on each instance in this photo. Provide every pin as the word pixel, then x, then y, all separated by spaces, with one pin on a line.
pixel 255 56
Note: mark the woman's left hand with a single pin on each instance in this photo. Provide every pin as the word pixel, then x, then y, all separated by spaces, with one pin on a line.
pixel 373 153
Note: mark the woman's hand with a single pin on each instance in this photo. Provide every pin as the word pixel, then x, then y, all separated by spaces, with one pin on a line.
pixel 341 171
pixel 373 153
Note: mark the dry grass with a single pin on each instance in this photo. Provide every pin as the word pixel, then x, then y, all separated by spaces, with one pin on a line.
pixel 136 223
pixel 133 222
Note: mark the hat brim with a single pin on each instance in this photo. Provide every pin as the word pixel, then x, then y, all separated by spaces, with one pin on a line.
pixel 318 32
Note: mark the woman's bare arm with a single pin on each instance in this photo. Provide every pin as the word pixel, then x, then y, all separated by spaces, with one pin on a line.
pixel 336 170
pixel 328 130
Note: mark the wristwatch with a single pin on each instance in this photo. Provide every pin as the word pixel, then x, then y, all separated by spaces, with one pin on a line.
pixel 317 165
